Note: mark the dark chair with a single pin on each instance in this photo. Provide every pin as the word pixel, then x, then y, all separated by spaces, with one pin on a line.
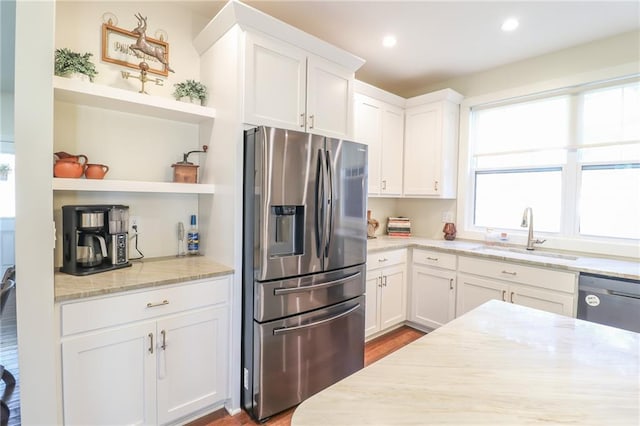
pixel 6 285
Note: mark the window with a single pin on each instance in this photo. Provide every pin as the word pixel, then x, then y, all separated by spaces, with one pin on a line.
pixel 7 184
pixel 573 156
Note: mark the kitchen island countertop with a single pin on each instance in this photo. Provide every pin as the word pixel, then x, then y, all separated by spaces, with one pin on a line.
pixel 497 364
pixel 621 268
pixel 141 274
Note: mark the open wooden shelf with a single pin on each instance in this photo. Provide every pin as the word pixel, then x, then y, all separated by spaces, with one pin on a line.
pixel 100 96
pixel 81 184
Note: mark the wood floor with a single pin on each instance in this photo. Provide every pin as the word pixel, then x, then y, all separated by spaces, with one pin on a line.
pixel 373 351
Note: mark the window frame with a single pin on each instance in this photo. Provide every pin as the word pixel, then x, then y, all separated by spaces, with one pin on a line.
pixel 569 237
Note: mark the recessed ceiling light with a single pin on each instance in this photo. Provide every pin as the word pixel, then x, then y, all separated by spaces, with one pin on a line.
pixel 389 41
pixel 510 24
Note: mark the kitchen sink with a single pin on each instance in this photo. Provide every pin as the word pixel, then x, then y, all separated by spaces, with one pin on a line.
pixel 489 249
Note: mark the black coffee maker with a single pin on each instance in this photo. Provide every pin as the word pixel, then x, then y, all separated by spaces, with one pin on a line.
pixel 94 238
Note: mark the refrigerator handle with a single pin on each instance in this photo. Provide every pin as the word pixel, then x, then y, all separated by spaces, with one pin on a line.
pixel 313 324
pixel 319 211
pixel 330 204
pixel 289 290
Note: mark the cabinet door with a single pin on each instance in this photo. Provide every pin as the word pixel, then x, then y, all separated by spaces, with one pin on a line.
pixel 109 377
pixel 372 302
pixel 329 99
pixel 275 84
pixel 368 130
pixel 393 296
pixel 433 296
pixel 192 366
pixel 474 291
pixel 546 300
pixel 423 150
pixel 392 150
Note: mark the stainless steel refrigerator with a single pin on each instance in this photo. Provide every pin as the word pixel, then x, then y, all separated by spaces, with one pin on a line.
pixel 304 246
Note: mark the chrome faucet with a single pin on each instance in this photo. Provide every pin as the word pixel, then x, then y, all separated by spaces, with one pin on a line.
pixel 527 220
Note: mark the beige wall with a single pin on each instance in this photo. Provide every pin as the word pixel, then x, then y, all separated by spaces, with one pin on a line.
pixel 606 53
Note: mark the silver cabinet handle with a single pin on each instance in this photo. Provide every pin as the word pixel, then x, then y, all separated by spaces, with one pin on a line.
pixel 450 283
pixel 153 305
pixel 164 340
pixel 384 184
pixel 510 273
pixel 379 281
pixel 511 297
pixel 435 186
pixel 311 121
pixel 384 259
pixel 150 343
pixel 504 295
pixel 435 259
pixel 302 120
pixel 385 280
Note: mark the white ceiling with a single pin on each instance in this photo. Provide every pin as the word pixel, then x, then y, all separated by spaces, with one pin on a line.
pixel 436 40
pixel 446 39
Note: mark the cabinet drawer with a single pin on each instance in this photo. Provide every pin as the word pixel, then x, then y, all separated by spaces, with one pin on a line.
pixel 386 258
pixel 81 316
pixel 538 277
pixel 434 258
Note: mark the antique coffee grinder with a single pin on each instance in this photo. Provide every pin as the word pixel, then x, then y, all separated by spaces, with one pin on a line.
pixel 184 171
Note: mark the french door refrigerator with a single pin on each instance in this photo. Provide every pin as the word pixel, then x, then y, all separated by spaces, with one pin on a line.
pixel 304 260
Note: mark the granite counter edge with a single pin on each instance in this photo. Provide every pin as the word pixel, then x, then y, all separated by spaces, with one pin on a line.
pixel 137 286
pixel 397 245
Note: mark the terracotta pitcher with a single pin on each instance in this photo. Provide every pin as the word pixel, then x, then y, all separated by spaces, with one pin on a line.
pixel 79 158
pixel 95 171
pixel 69 166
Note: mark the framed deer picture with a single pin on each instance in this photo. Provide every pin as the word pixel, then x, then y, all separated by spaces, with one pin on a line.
pixel 129 48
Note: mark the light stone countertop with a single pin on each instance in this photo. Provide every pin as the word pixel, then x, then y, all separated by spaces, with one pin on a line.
pixel 498 364
pixel 142 274
pixel 622 268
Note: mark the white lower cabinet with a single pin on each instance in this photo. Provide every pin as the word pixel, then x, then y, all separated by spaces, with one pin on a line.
pixel 385 291
pixel 164 367
pixel 433 288
pixel 551 291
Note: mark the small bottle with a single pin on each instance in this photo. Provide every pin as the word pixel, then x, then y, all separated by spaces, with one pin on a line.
pixel 193 237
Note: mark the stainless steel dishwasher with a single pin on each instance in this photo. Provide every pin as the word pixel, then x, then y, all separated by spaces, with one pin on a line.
pixel 610 301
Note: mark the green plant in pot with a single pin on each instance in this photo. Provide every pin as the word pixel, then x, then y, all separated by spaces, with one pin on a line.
pixel 191 89
pixel 68 62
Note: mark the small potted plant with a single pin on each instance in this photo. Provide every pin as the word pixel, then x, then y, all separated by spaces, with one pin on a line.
pixel 68 62
pixel 194 90
pixel 4 171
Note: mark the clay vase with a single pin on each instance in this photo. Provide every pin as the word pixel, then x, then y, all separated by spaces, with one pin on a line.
pixel 372 225
pixel 96 171
pixel 68 168
pixel 449 231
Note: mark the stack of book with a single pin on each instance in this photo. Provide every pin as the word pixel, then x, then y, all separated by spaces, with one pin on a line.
pixel 399 227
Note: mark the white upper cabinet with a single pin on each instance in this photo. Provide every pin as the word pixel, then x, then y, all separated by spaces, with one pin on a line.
pixel 275 84
pixel 290 88
pixel 431 144
pixel 381 126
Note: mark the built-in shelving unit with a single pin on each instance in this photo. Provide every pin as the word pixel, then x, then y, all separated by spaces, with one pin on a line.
pixel 64 184
pixel 100 96
pixel 110 98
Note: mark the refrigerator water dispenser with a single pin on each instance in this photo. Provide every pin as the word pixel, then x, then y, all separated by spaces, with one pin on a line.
pixel 287 233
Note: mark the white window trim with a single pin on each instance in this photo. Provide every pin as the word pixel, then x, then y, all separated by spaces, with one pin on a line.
pixel 466 229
